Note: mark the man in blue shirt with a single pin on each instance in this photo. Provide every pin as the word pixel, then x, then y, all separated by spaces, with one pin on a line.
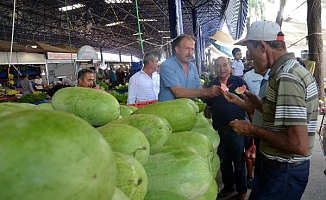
pixel 179 77
pixel 231 147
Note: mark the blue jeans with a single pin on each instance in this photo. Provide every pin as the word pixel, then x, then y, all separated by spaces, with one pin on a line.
pixel 233 168
pixel 276 183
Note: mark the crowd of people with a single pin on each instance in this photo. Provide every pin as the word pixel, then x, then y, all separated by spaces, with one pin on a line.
pixel 278 111
pixel 281 103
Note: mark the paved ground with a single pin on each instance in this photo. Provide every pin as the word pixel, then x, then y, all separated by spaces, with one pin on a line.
pixel 316 188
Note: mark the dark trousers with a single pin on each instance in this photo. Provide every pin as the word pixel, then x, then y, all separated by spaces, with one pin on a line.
pixel 279 181
pixel 230 151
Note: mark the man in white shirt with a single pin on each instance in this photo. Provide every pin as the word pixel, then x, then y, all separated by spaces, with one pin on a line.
pixel 38 83
pixel 145 84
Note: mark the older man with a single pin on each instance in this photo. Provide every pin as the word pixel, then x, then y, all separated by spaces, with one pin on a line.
pixel 231 147
pixel 86 78
pixel 179 77
pixel 145 84
pixel 289 110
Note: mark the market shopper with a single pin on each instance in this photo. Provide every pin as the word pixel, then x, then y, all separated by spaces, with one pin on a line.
pixel 231 147
pixel 85 78
pixel 179 76
pixel 145 84
pixel 38 83
pixel 26 85
pixel 289 116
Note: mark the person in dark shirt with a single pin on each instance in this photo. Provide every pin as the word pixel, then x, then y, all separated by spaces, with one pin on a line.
pixel 231 147
pixel 121 76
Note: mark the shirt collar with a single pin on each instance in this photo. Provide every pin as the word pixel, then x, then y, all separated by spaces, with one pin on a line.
pixel 278 64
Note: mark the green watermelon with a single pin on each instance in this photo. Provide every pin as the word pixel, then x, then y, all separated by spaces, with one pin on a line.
pixel 53 155
pixel 156 129
pixel 210 133
pixel 184 173
pixel 201 120
pixel 211 193
pixel 198 141
pixel 176 148
pixel 163 195
pixel 119 195
pixel 126 139
pixel 179 113
pixel 215 164
pixel 131 176
pixel 6 107
pixel 125 110
pixel 95 106
pixel 44 106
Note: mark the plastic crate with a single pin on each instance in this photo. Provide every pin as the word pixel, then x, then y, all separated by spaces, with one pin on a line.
pixel 142 104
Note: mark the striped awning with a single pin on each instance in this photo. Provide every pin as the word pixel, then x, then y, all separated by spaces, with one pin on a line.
pixel 236 15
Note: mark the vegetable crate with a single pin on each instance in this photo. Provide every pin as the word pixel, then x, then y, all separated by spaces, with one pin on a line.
pixel 142 104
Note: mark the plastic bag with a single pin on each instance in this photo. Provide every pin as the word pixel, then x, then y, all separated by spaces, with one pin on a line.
pixel 249 155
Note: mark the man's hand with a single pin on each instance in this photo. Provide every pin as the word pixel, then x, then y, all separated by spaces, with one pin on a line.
pixel 243 127
pixel 252 100
pixel 232 98
pixel 213 91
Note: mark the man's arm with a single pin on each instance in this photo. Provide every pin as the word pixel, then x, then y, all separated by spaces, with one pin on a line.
pixel 182 92
pixel 132 91
pixel 294 140
pixel 232 98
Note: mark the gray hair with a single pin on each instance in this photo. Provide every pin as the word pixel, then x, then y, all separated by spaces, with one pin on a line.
pixel 149 56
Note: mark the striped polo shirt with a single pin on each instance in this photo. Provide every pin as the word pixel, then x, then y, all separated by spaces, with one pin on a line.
pixel 291 100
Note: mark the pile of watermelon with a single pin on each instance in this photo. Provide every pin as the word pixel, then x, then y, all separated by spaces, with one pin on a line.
pixel 84 145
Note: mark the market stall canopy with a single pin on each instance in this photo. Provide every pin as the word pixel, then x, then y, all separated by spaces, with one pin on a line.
pixel 223 37
pixel 6 45
pixel 66 47
pixel 225 50
pixel 216 53
pixel 44 47
pixel 113 25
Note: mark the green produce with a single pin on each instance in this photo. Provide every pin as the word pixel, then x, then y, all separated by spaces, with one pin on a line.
pixel 44 106
pixel 201 120
pixel 211 193
pixel 184 173
pixel 6 107
pixel 119 195
pixel 131 176
pixel 53 155
pixel 211 134
pixel 122 87
pixel 180 114
pixel 215 164
pixel 163 195
pixel 122 98
pixel 125 110
pixel 32 98
pixel 176 148
pixel 126 139
pixel 201 106
pixel 156 129
pixel 94 106
pixel 190 102
pixel 198 141
pixel 133 108
pixel 103 85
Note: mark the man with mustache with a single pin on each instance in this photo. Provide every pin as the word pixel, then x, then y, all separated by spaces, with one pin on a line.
pixel 179 77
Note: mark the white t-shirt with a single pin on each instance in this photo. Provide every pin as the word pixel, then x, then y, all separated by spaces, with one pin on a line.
pixel 238 67
pixel 253 81
pixel 141 87
pixel 38 83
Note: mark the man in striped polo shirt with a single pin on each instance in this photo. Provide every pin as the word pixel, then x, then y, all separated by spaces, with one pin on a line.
pixel 289 110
